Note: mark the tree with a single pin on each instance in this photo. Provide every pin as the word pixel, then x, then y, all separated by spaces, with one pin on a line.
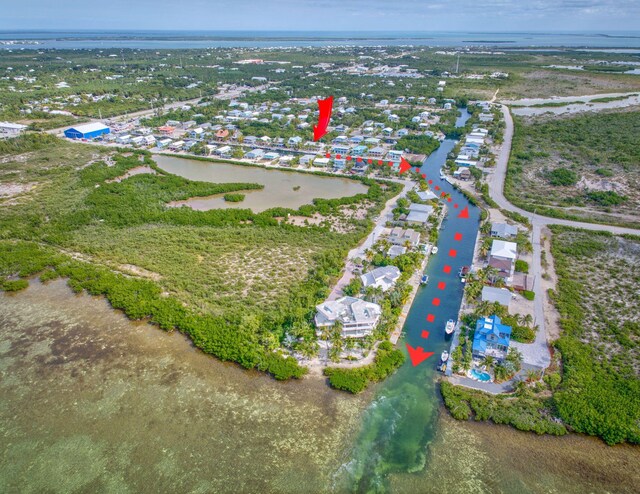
pixel 514 357
pixel 488 361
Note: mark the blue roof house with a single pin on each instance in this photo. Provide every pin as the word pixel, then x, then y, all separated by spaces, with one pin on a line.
pixel 491 338
pixel 359 150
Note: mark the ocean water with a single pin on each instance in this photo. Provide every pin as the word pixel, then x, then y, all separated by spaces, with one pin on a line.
pixel 227 39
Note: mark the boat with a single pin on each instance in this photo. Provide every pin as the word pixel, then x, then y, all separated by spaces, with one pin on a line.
pixel 434 250
pixel 464 271
pixel 424 280
pixel 450 327
pixel 441 174
pixel 444 356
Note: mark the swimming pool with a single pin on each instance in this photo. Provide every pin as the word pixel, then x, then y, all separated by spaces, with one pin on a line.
pixel 480 376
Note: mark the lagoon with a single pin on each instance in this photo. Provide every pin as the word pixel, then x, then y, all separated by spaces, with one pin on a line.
pixel 287 189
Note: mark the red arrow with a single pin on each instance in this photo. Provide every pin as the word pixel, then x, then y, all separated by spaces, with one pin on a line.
pixel 325 106
pixel 464 213
pixel 404 165
pixel 418 355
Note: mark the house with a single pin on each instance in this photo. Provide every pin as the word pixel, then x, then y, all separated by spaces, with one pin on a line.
pixel 357 317
pixel 462 174
pixel 400 236
pixel 223 151
pixel 486 117
pixel 123 139
pixel 501 249
pixel 149 140
pixel 222 134
pixel 419 214
pixel 372 141
pixel 176 145
pixel 502 257
pixel 166 130
pixel 340 149
pixel 250 140
pixel 394 155
pixel 492 294
pixel 396 250
pixel 307 159
pixel 270 156
pixel 384 277
pixel 339 163
pixel 359 150
pixel 503 230
pixel 189 123
pixel 254 154
pixel 491 338
pixel 294 141
pixel 163 143
pixel 197 133
pixel 426 195
pixel 137 141
pixel 87 131
pixel 11 129
pixel 377 152
pixel 322 162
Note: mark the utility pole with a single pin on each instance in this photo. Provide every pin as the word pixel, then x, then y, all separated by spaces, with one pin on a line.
pixel 458 63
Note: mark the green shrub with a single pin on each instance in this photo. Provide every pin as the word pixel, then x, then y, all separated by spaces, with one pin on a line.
pixel 14 285
pixel 562 177
pixel 528 294
pixel 522 266
pixel 234 197
pixel 355 380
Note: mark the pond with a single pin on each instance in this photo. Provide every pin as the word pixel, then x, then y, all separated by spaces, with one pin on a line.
pixel 288 189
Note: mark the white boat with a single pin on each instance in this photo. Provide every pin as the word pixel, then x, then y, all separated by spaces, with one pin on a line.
pixel 425 279
pixel 434 250
pixel 444 356
pixel 441 174
pixel 450 327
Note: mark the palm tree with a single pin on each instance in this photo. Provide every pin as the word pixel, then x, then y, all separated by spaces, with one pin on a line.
pixel 527 320
pixel 532 375
pixel 488 361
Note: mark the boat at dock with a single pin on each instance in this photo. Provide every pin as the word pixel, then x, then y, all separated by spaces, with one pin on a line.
pixel 444 356
pixel 434 250
pixel 450 327
pixel 424 280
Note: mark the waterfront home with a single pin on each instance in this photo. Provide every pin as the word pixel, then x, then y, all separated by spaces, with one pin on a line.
pixel 394 155
pixel 419 214
pixel 197 133
pixel 123 139
pixel 491 338
pixel 176 145
pixel 163 143
pixel 400 236
pixel 270 156
pixel 502 257
pixel 359 150
pixel 321 162
pixel 377 152
pixel 250 140
pixel 384 277
pixel 465 162
pixel 254 154
pixel 357 317
pixel 492 294
pixel 340 149
pixel 503 230
pixel 306 159
pixel 223 151
pixel 339 163
pixel 462 174
pixel 372 141
pixel 294 141
pixel 426 195
pixel 396 250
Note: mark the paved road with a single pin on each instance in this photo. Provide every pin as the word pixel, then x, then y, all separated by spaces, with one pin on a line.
pixel 536 353
pixel 367 243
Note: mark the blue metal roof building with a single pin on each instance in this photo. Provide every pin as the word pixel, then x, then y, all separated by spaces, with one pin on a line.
pixel 491 338
pixel 87 131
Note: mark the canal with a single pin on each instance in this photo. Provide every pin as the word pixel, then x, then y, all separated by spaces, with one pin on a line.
pixel 400 422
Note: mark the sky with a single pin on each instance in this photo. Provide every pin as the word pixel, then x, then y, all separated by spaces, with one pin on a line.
pixel 324 15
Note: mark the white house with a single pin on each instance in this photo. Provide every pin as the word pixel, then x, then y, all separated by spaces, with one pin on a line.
pixel 358 318
pixel 11 129
pixel 384 277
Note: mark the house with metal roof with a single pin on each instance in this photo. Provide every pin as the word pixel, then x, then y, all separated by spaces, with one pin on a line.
pixel 357 317
pixel 87 131
pixel 492 294
pixel 384 277
pixel 503 230
pixel 491 338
